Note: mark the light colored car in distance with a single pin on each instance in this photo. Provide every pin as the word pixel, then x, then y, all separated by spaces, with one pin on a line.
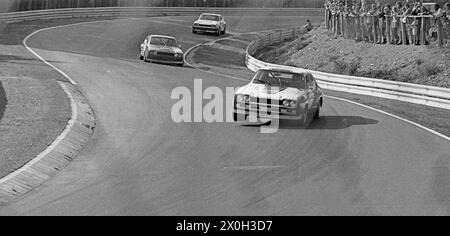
pixel 210 23
pixel 161 49
pixel 281 94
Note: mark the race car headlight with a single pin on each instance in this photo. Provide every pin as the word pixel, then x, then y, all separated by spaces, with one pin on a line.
pixel 242 98
pixel 178 54
pixel 152 52
pixel 290 103
pixel 293 104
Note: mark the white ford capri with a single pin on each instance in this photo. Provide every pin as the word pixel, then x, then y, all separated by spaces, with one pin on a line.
pixel 281 94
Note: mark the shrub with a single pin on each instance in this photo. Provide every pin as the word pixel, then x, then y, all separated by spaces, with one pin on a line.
pixel 428 69
pixel 348 68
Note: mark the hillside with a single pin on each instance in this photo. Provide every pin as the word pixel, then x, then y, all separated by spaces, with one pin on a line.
pixel 320 50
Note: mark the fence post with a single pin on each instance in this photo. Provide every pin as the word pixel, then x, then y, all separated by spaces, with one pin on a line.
pixel 363 27
pixel 336 23
pixel 374 29
pixel 440 33
pixel 326 19
pixel 388 30
pixel 342 25
pixel 403 31
pixel 422 31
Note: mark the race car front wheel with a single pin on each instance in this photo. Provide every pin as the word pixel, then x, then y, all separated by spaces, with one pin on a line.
pixel 317 114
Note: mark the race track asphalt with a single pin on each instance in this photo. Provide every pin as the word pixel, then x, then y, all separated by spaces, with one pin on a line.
pixel 354 161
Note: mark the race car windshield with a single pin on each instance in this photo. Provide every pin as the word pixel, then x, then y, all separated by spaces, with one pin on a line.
pixel 209 17
pixel 280 79
pixel 160 41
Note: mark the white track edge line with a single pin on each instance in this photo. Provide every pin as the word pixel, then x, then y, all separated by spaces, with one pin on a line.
pixel 392 115
pixel 45 61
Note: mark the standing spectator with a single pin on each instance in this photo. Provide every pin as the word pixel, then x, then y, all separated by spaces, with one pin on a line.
pixel 367 24
pixel 372 23
pixel 438 11
pixel 395 25
pixel 446 23
pixel 398 23
pixel 354 14
pixel 383 13
pixel 407 11
pixel 446 11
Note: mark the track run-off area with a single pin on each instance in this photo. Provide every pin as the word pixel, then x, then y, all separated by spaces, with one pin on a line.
pixel 353 161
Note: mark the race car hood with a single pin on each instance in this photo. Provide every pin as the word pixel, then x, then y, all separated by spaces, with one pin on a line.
pixel 206 22
pixel 268 92
pixel 165 49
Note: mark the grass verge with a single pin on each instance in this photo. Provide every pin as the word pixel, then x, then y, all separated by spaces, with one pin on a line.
pixel 37 109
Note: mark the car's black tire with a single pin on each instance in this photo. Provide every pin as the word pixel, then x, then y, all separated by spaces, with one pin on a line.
pixel 219 33
pixel 141 57
pixel 224 32
pixel 235 116
pixel 194 31
pixel 317 114
pixel 304 120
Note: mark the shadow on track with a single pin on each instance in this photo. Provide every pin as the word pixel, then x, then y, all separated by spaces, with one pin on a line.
pixel 331 123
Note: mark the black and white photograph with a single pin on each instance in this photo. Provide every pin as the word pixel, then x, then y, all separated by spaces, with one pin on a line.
pixel 235 112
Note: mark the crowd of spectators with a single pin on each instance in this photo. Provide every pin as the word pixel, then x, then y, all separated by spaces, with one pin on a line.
pixel 373 17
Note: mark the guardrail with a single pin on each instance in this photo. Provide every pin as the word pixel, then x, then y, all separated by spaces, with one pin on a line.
pixel 150 11
pixel 413 93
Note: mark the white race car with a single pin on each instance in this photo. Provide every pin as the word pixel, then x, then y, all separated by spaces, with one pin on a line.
pixel 210 23
pixel 162 49
pixel 281 94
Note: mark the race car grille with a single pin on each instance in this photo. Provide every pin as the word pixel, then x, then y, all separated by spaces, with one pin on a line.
pixel 207 26
pixel 165 54
pixel 265 101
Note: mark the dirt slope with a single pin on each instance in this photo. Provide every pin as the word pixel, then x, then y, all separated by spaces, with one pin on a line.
pixel 320 50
